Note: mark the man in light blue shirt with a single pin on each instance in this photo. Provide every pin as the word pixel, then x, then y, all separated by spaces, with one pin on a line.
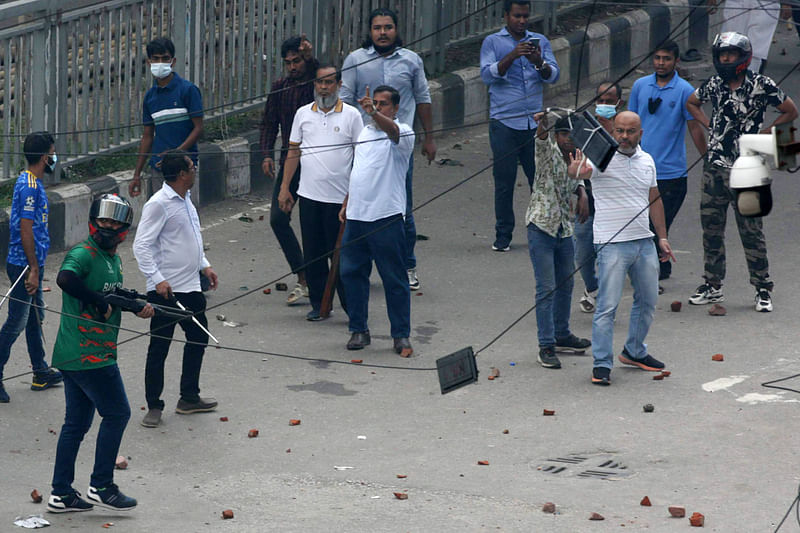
pixel 383 61
pixel 515 63
pixel 660 100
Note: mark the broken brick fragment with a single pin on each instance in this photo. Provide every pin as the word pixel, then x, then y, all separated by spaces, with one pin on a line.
pixel 645 502
pixel 675 306
pixel 697 520
pixel 666 373
pixel 596 516
pixel 677 511
pixel 648 408
pixel 548 412
pixel 549 507
pixel 505 432
pixel 227 514
pixel 294 422
pixel 35 496
pixel 357 361
pixel 223 419
pixel 490 378
pixel 401 476
pixel 288 450
pixel 658 377
pixel 253 433
pixel 401 495
pixel 483 463
pixel 495 372
pixel 717 310
pixel 267 291
pixel 121 463
pixel 717 357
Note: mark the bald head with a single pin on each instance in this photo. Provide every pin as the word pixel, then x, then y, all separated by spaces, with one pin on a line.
pixel 627 131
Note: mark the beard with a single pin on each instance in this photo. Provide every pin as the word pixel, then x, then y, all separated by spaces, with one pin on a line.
pixel 627 150
pixel 383 49
pixel 326 102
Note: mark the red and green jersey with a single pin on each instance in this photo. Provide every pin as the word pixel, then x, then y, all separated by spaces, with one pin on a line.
pixel 82 344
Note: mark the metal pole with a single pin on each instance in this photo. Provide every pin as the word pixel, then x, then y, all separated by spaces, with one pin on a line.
pixel 194 319
pixel 24 271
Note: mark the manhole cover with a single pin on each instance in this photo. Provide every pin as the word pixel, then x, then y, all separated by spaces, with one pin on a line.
pixel 595 467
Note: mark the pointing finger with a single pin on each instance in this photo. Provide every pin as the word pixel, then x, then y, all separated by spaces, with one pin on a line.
pixel 367 91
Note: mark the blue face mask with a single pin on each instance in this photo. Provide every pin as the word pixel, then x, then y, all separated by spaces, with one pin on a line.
pixel 605 110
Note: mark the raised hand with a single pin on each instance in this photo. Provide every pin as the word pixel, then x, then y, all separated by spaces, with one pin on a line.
pixel 366 103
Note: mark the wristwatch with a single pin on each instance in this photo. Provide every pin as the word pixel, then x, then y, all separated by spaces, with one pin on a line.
pixel 540 67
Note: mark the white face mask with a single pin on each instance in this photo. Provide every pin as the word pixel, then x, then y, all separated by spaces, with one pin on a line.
pixel 160 70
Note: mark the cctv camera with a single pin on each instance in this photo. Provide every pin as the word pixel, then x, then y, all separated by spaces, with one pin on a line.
pixel 750 179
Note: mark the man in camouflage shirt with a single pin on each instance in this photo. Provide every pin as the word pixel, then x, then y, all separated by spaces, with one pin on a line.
pixel 550 239
pixel 739 99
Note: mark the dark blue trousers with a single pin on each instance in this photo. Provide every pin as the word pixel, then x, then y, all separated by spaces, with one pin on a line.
pixel 85 391
pixel 508 147
pixel 361 245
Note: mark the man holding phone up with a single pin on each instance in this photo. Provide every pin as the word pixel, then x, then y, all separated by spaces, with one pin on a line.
pixel 515 63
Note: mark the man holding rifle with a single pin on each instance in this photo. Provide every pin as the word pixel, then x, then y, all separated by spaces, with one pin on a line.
pixel 321 143
pixel 86 353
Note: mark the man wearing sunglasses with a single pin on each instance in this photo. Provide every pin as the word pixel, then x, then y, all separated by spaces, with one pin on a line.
pixel 660 100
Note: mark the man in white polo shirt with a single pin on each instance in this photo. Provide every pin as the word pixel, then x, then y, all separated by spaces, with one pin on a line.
pixel 322 139
pixel 374 209
pixel 624 245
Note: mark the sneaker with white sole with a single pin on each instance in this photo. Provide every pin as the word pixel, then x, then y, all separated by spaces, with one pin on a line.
pixel 587 301
pixel 110 498
pixel 707 294
pixel 298 292
pixel 572 344
pixel 763 301
pixel 413 280
pixel 548 358
pixel 69 503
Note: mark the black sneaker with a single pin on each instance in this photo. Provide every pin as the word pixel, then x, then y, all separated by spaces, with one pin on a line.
pixel 4 397
pixel 70 503
pixel 572 344
pixel 45 380
pixel 203 405
pixel 648 362
pixel 547 357
pixel 601 376
pixel 110 498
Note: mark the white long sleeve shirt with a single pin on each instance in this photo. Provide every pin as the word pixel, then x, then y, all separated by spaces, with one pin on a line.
pixel 168 244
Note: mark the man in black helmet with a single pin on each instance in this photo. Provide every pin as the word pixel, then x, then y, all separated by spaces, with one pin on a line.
pixel 86 353
pixel 739 98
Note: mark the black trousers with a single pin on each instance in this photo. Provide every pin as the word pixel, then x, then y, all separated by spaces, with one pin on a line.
pixel 281 223
pixel 319 227
pixel 673 192
pixel 163 328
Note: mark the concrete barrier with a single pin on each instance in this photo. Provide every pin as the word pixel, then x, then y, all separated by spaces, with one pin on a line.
pixel 233 167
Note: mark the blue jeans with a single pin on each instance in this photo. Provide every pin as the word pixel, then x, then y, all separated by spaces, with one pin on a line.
pixel 584 253
pixel 386 246
pixel 639 260
pixel 508 147
pixel 20 317
pixel 87 390
pixel 552 259
pixel 409 226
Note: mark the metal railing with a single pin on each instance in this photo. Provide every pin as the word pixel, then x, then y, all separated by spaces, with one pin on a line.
pixel 79 67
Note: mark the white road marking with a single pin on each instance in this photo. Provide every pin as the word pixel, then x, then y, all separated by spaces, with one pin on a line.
pixel 723 383
pixel 755 397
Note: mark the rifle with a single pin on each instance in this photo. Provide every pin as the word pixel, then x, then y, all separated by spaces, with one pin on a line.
pixel 333 276
pixel 133 301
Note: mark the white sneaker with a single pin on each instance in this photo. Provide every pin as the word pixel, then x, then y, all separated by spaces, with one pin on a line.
pixel 763 301
pixel 587 301
pixel 706 294
pixel 298 292
pixel 413 281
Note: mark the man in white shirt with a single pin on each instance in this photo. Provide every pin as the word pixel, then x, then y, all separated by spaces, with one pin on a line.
pixel 374 210
pixel 324 176
pixel 624 245
pixel 169 250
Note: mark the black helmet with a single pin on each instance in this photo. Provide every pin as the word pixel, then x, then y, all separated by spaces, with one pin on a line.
pixel 112 207
pixel 730 40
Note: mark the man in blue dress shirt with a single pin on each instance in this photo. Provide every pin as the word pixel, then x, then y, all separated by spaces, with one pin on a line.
pixel 515 63
pixel 382 60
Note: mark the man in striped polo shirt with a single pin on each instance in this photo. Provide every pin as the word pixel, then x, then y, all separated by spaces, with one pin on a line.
pixel 625 194
pixel 172 114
